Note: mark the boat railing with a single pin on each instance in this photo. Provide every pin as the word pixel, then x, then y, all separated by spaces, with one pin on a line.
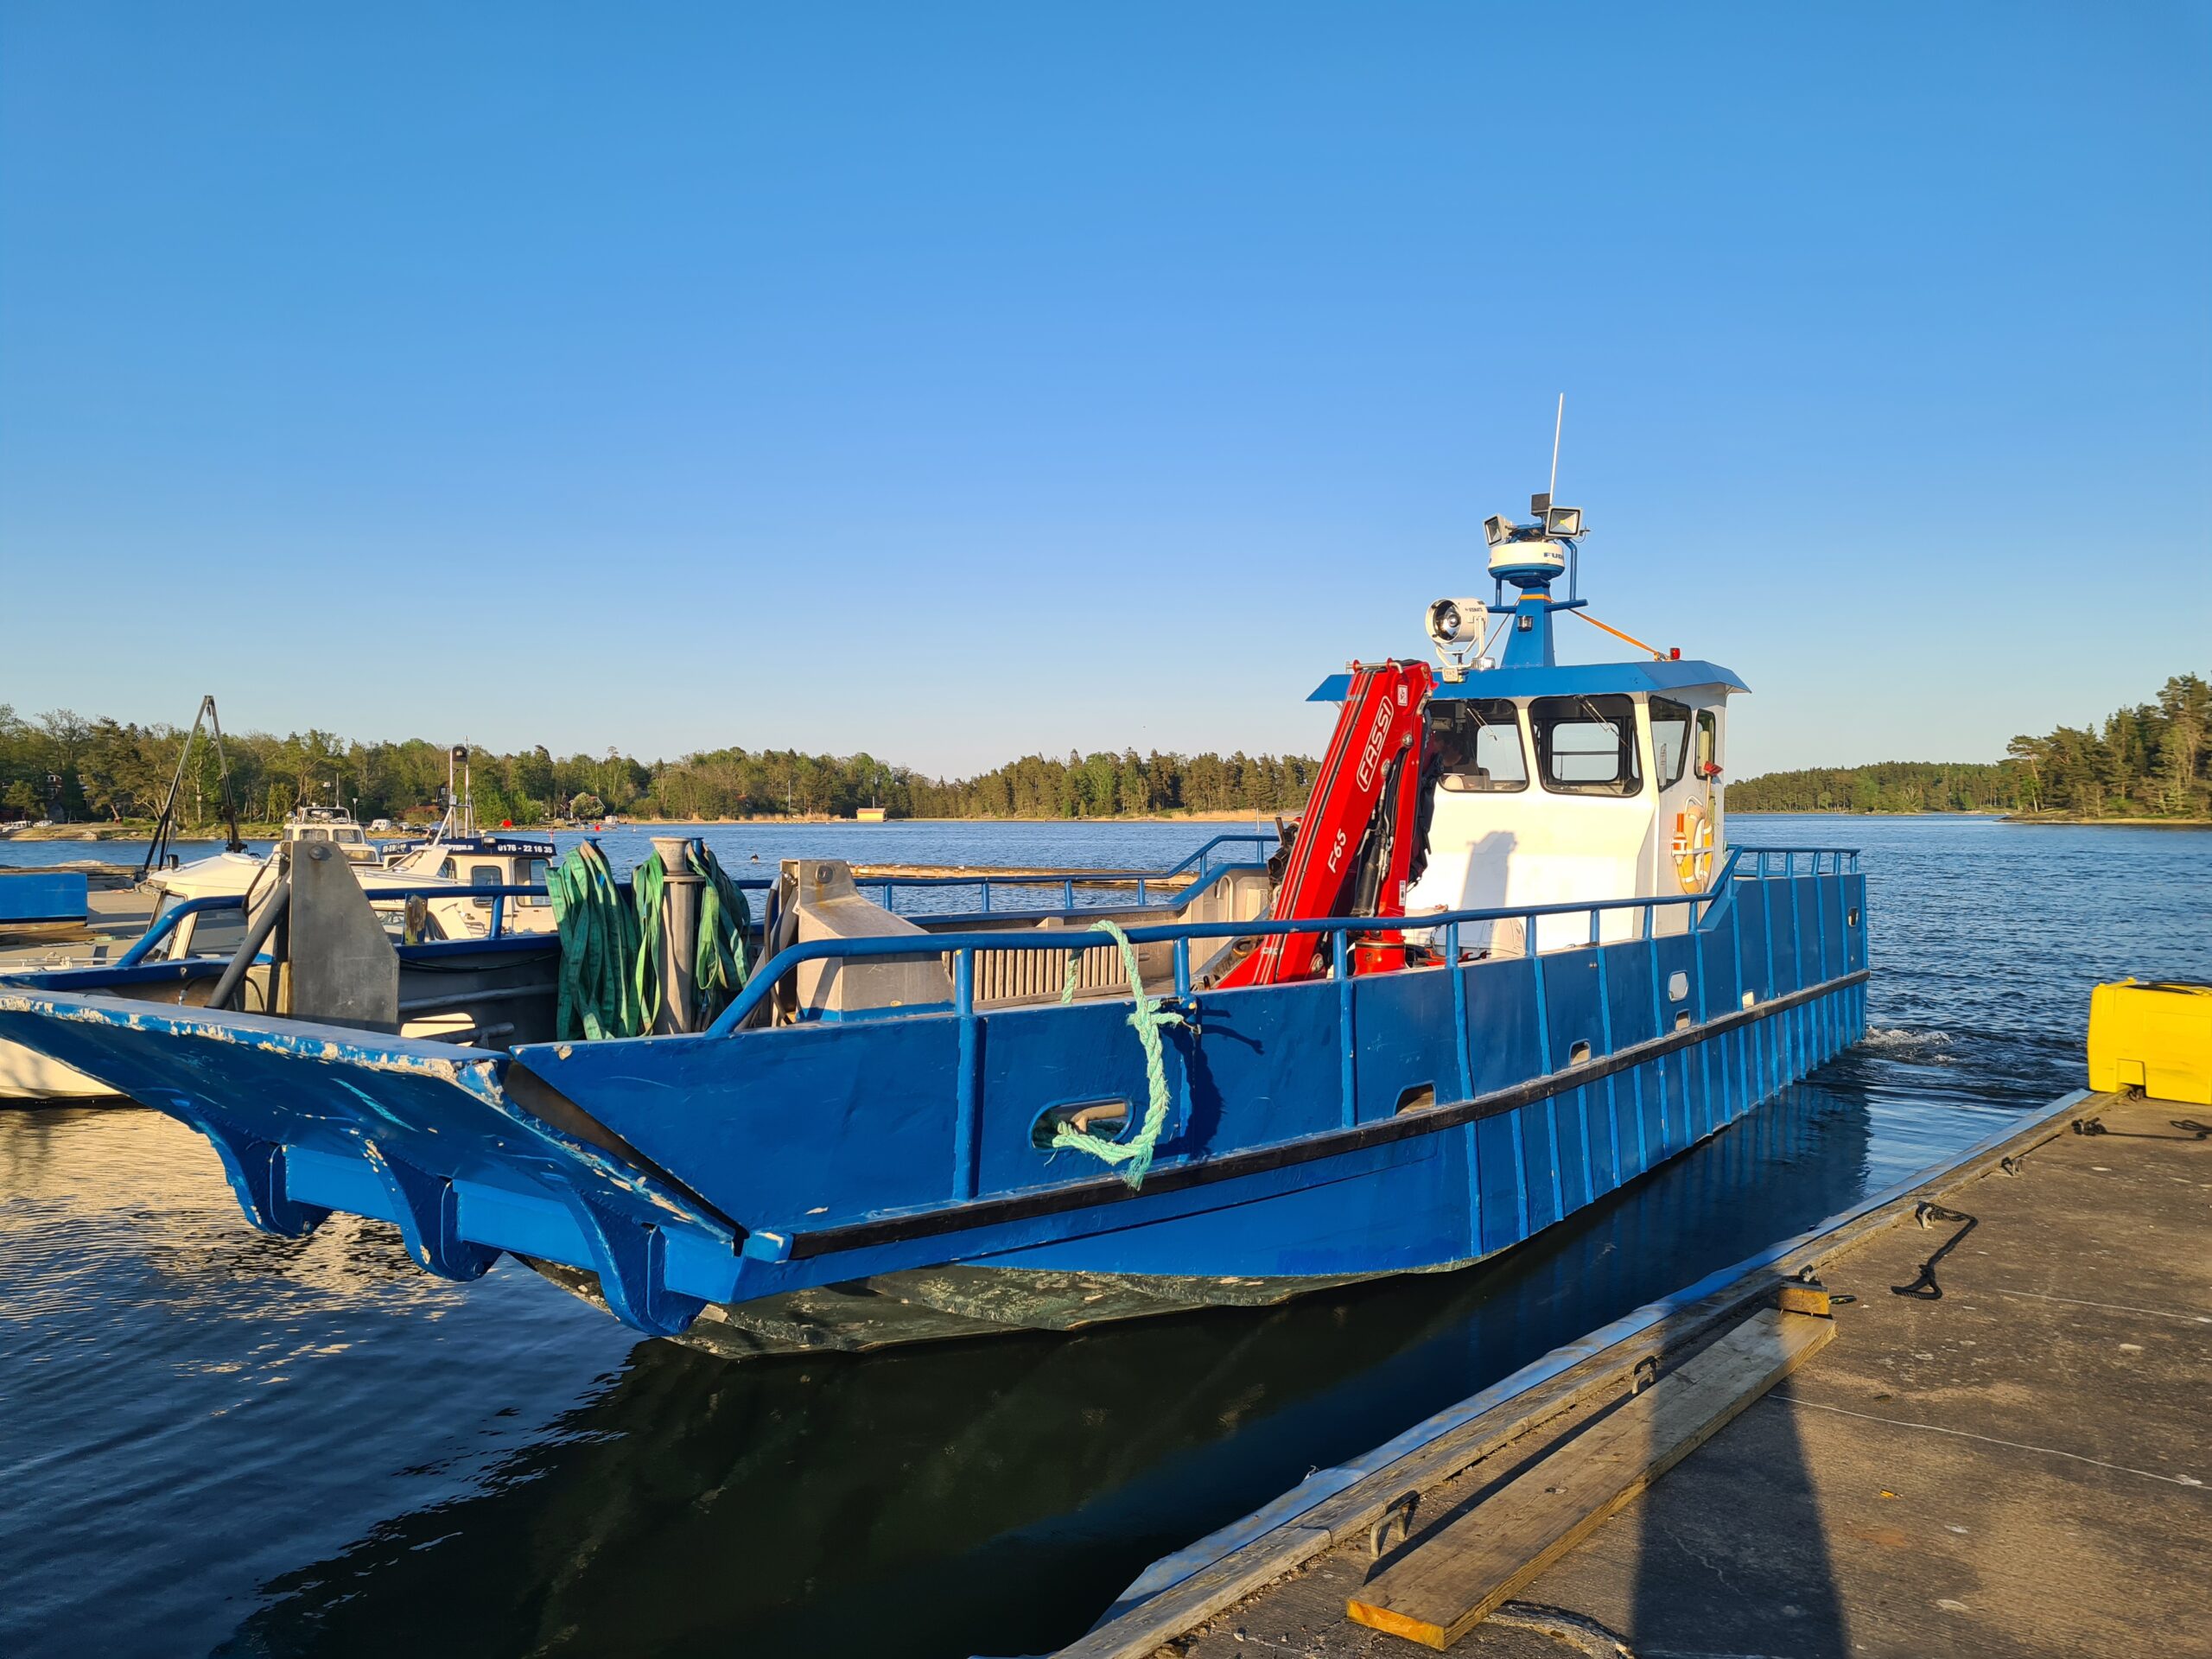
pixel 1717 907
pixel 1341 931
pixel 1783 861
pixel 165 924
pixel 1201 864
pixel 1193 871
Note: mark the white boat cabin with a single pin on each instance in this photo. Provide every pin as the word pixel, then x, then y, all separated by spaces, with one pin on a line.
pixel 333 824
pixel 1545 783
pixel 1604 788
pixel 489 860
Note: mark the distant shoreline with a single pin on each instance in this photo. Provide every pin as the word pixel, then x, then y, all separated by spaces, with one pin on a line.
pixel 128 831
pixel 108 833
pixel 2000 817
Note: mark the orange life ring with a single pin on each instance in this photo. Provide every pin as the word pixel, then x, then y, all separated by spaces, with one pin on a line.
pixel 1693 848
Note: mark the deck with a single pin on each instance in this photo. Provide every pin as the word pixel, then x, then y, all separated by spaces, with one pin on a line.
pixel 2003 1450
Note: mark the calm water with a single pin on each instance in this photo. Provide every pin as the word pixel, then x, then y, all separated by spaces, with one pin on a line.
pixel 216 1441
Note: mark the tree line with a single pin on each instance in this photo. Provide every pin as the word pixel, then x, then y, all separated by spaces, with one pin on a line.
pixel 63 766
pixel 2151 761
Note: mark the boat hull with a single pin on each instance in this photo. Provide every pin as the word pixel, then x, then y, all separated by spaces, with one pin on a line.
pixel 1532 1156
pixel 27 1076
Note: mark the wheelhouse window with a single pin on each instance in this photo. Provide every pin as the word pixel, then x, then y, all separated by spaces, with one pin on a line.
pixel 1670 739
pixel 485 875
pixel 1476 744
pixel 1586 745
pixel 215 932
pixel 1708 744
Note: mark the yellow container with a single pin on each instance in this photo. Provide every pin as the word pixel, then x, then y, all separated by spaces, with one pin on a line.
pixel 2157 1038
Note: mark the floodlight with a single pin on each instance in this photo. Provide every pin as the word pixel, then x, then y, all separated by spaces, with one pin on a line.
pixel 1497 529
pixel 1562 521
pixel 1458 622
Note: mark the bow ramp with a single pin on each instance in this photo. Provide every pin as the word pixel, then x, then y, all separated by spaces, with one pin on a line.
pixel 312 1118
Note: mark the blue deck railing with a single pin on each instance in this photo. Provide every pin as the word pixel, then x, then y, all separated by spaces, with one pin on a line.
pixel 1201 866
pixel 1198 868
pixel 1814 960
pixel 1340 930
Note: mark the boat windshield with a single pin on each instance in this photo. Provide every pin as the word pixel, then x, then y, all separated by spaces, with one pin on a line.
pixel 203 933
pixel 1475 745
pixel 1586 745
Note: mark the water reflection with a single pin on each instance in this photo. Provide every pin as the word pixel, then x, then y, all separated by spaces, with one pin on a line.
pixel 996 1493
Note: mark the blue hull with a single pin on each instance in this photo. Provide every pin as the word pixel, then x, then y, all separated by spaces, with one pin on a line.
pixel 1317 1132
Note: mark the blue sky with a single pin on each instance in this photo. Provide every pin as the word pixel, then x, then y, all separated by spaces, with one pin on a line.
pixel 955 382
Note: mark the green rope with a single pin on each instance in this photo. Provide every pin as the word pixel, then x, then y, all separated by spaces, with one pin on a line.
pixel 1133 1156
pixel 611 949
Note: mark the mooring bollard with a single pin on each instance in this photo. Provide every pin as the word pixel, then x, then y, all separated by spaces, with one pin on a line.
pixel 679 929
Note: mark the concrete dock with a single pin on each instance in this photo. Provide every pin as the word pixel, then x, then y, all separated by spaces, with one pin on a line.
pixel 2001 1447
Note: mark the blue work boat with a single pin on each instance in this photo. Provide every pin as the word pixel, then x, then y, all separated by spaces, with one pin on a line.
pixel 1506 963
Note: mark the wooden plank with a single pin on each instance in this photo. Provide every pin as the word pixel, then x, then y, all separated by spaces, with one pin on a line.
pixel 1451 1580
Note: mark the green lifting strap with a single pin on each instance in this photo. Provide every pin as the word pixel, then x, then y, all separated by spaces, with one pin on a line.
pixel 611 949
pixel 721 963
pixel 1133 1156
pixel 599 945
pixel 648 882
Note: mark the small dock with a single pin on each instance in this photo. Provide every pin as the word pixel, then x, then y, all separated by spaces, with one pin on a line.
pixel 116 913
pixel 1968 1417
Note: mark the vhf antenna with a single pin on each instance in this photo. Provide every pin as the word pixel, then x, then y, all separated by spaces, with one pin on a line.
pixel 1558 422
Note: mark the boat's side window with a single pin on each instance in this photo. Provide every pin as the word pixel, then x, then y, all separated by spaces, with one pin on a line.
pixel 532 875
pixel 1475 745
pixel 216 932
pixel 1708 743
pixel 1586 745
pixel 1670 739
pixel 484 875
pixel 445 870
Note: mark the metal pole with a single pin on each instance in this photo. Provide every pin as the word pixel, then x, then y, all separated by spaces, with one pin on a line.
pixel 679 929
pixel 223 768
pixel 280 905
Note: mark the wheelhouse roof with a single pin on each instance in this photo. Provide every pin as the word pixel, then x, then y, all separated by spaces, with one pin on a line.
pixel 1574 680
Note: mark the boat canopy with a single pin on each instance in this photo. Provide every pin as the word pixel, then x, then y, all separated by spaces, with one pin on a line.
pixel 1566 680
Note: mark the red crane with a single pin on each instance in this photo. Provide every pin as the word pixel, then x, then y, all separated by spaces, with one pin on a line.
pixel 1351 852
